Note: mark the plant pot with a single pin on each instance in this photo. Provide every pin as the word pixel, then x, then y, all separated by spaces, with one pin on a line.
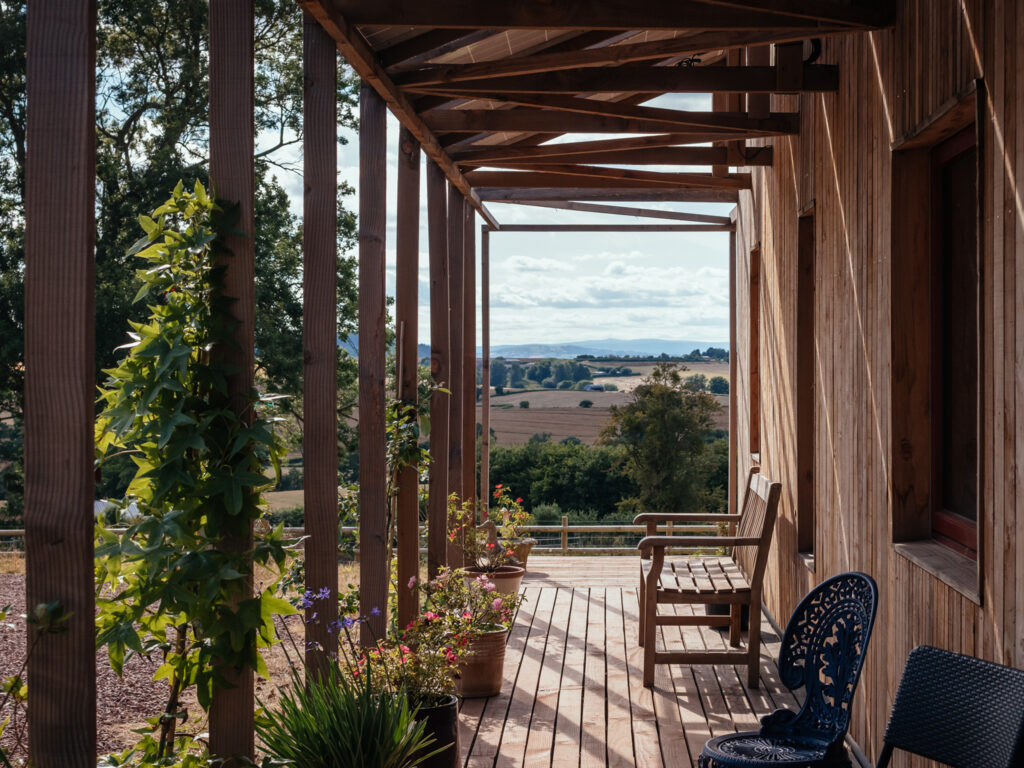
pixel 442 722
pixel 506 579
pixel 480 670
pixel 522 548
pixel 722 609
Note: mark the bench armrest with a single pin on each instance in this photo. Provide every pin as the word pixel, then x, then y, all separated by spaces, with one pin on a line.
pixel 661 542
pixel 684 517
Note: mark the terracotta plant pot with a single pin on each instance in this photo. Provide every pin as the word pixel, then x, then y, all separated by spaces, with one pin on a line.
pixel 442 723
pixel 481 666
pixel 507 578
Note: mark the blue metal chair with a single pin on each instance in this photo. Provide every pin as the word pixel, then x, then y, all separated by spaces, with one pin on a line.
pixel 822 650
pixel 958 710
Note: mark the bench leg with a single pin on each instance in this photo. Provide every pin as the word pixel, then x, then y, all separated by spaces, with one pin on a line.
pixel 754 643
pixel 643 610
pixel 735 623
pixel 650 611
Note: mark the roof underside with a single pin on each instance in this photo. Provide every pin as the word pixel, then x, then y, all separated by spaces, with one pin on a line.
pixel 495 91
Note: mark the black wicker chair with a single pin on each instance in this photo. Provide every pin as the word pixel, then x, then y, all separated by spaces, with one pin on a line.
pixel 958 710
pixel 823 651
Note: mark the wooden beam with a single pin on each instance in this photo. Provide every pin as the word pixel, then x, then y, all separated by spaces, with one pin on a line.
pixel 759 104
pixel 635 194
pixel 485 369
pixel 60 377
pixel 789 67
pixel 570 14
pixel 517 120
pixel 656 156
pixel 407 507
pixel 456 329
pixel 431 44
pixel 674 119
pixel 596 57
pixel 364 61
pixel 600 176
pixel 639 78
pixel 232 173
pixel 863 14
pixel 517 151
pixel 373 554
pixel 616 228
pixel 320 336
pixel 621 210
pixel 469 356
pixel 440 369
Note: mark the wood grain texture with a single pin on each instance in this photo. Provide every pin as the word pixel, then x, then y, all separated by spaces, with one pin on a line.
pixel 373 555
pixel 232 173
pixel 870 487
pixel 457 330
pixel 469 489
pixel 622 210
pixel 407 362
pixel 440 368
pixel 60 375
pixel 320 332
pixel 485 371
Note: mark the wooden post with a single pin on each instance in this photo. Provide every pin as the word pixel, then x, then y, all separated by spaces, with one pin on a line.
pixel 565 534
pixel 232 173
pixel 469 357
pixel 456 328
pixel 485 356
pixel 732 495
pixel 320 334
pixel 60 381
pixel 440 355
pixel 373 554
pixel 406 309
pixel 735 150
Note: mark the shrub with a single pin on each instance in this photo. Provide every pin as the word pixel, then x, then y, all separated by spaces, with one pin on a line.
pixel 547 514
pixel 292 480
pixel 524 403
pixel 718 385
pixel 549 383
pixel 586 403
pixel 565 384
pixel 580 386
pixel 610 387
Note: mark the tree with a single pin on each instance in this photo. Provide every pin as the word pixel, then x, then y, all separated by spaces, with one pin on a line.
pixel 697 381
pixel 499 372
pixel 586 403
pixel 718 385
pixel 539 371
pixel 663 430
pixel 524 403
pixel 515 375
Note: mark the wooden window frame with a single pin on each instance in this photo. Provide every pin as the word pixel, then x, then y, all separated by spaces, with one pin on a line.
pixel 754 351
pixel 912 449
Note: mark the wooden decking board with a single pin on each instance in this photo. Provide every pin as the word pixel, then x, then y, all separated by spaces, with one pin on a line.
pixel 573 694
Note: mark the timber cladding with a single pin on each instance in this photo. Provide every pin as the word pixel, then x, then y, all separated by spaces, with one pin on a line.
pixel 891 84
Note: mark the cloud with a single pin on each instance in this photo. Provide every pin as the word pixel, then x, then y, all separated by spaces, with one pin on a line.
pixel 533 264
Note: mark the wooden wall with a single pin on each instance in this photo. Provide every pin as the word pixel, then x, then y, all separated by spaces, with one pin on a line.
pixel 891 83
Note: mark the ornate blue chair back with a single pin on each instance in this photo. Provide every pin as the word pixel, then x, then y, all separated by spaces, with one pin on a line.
pixel 823 651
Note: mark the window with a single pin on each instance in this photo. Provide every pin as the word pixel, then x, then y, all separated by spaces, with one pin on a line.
pixel 955 342
pixel 937 355
pixel 805 397
pixel 754 351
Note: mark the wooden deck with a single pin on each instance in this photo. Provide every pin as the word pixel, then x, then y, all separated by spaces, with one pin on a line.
pixel 573 695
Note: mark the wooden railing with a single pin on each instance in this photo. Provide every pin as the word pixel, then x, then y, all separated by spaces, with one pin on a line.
pixel 565 539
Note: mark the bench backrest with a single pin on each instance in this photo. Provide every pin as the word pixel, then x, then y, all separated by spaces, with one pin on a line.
pixel 958 710
pixel 760 508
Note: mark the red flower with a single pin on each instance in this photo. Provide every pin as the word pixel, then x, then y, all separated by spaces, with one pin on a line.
pixel 519 500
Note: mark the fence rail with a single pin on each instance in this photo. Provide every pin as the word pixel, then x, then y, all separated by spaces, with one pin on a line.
pixel 564 539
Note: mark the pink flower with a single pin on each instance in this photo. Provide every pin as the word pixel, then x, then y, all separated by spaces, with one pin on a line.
pixel 412 582
pixel 489 587
pixel 467 615
pixel 429 616
pixel 496 605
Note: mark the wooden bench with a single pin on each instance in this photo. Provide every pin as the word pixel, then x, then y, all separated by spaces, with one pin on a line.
pixel 703 580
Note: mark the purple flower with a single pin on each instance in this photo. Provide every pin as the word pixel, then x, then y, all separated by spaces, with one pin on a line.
pixel 334 626
pixel 347 622
pixel 375 611
pixel 324 593
pixel 307 599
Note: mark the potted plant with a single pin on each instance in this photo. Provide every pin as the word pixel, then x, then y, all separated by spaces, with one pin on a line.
pixel 493 555
pixel 470 619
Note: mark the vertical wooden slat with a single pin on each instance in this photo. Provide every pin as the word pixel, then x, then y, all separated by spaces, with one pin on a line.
pixel 469 355
pixel 440 369
pixel 320 333
pixel 804 391
pixel 60 184
pixel 456 328
pixel 734 434
pixel 373 555
pixel 406 310
pixel 232 173
pixel 759 104
pixel 485 356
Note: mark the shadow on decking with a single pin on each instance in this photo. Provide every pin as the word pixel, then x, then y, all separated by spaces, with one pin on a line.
pixel 572 693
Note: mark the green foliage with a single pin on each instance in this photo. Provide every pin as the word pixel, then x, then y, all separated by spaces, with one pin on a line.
pixel 565 384
pixel 549 383
pixel 663 431
pixel 168 584
pixel 718 385
pixel 547 514
pixel 586 403
pixel 570 475
pixel 340 720
pixel 581 386
pixel 516 377
pixel 697 382
pixel 608 387
pixel 524 403
pixel 499 372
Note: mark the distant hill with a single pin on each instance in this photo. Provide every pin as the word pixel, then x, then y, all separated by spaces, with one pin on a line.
pixel 604 347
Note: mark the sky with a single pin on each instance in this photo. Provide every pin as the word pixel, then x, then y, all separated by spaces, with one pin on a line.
pixel 554 288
